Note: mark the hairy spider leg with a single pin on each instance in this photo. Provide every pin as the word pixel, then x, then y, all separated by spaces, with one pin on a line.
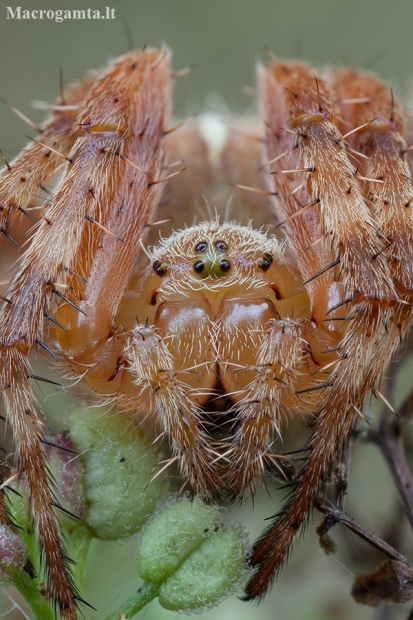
pixel 35 165
pixel 351 258
pixel 96 183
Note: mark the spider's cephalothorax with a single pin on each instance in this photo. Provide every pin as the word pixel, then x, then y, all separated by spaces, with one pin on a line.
pixel 225 330
pixel 218 312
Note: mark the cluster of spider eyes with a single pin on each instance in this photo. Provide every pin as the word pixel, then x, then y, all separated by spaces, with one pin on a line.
pixel 201 247
pixel 264 263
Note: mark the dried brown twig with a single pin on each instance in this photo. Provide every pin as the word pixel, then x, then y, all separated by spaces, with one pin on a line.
pixel 392 580
pixel 389 439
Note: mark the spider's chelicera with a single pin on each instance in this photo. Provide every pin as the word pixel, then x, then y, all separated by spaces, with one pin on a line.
pixel 240 329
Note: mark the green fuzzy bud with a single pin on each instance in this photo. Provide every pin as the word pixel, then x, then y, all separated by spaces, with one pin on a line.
pixel 120 463
pixel 172 535
pixel 196 558
pixel 209 574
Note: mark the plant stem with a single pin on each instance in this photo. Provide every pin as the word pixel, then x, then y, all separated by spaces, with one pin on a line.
pixel 337 516
pixel 80 539
pixel 29 588
pixel 389 438
pixel 136 602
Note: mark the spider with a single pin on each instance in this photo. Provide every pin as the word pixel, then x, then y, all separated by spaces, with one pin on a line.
pixel 218 331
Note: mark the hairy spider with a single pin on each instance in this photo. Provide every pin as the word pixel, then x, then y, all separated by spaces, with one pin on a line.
pixel 219 331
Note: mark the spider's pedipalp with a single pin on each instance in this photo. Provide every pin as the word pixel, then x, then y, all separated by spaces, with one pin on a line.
pixel 269 392
pixel 172 396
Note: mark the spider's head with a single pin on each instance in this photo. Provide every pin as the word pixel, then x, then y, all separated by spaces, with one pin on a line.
pixel 218 260
pixel 215 252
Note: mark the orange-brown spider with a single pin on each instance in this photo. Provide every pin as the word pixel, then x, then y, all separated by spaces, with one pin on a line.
pixel 221 323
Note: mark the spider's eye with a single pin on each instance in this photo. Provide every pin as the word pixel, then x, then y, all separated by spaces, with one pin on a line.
pixel 221 246
pixel 199 266
pixel 160 268
pixel 224 265
pixel 265 262
pixel 202 246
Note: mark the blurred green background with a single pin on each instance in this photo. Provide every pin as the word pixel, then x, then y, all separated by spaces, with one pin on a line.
pixel 223 39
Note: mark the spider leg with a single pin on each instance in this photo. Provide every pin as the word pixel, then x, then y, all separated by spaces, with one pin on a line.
pixel 99 184
pixel 20 409
pixel 339 221
pixel 352 269
pixel 35 165
pixel 28 175
pixel 389 192
pixel 367 356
